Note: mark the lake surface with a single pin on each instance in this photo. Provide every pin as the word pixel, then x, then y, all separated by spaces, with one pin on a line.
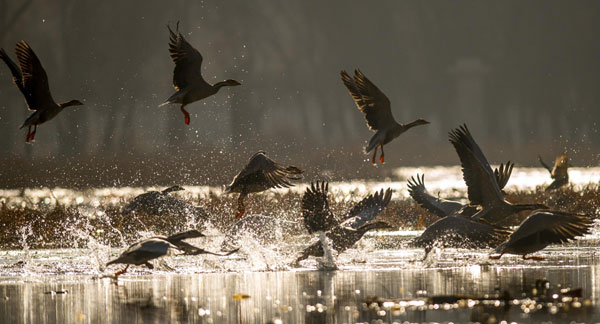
pixel 380 279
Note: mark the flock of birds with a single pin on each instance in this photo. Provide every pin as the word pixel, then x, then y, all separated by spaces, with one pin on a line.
pixel 474 225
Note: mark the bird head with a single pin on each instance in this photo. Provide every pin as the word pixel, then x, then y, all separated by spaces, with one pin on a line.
pixel 421 121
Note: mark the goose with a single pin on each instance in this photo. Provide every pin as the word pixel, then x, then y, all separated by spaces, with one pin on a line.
pixel 559 172
pixel 482 187
pixel 32 81
pixel 161 203
pixel 376 107
pixel 358 221
pixel 443 207
pixel 460 231
pixel 141 252
pixel 542 228
pixel 260 174
pixel 188 82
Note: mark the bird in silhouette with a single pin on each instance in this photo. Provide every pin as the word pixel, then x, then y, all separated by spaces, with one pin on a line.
pixel 140 253
pixel 32 80
pixel 376 107
pixel 559 172
pixel 542 228
pixel 460 231
pixel 315 208
pixel 358 221
pixel 162 203
pixel 482 186
pixel 189 84
pixel 260 174
pixel 443 207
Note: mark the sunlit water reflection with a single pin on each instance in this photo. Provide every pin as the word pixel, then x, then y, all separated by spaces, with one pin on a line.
pixel 259 284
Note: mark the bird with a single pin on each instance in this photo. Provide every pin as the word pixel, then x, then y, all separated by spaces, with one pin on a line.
pixel 161 203
pixel 376 107
pixel 460 231
pixel 357 222
pixel 443 207
pixel 482 186
pixel 188 82
pixel 140 253
pixel 542 228
pixel 143 251
pixel 559 172
pixel 31 79
pixel 260 174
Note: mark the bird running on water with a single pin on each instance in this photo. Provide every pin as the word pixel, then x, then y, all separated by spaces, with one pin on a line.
pixel 32 81
pixel 188 82
pixel 559 173
pixel 378 112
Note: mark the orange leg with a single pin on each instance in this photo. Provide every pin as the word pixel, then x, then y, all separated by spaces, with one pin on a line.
pixel 28 134
pixel 241 207
pixel 186 114
pixel 118 273
pixel 374 155
pixel 381 157
pixel 33 133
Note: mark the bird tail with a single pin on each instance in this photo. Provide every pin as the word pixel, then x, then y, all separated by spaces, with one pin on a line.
pixel 115 261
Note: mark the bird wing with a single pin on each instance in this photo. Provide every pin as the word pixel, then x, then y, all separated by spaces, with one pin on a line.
pixel 482 187
pixel 315 208
pixel 34 79
pixel 561 165
pixel 188 61
pixel 439 207
pixel 370 100
pixel 367 209
pixel 184 235
pixel 276 175
pixel 502 174
pixel 456 231
pixel 553 227
pixel 14 69
pixel 546 166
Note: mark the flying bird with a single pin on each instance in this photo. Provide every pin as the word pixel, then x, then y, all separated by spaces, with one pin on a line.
pixel 482 186
pixel 559 172
pixel 189 84
pixel 260 174
pixel 460 231
pixel 32 80
pixel 358 221
pixel 542 228
pixel 376 107
pixel 443 207
pixel 315 208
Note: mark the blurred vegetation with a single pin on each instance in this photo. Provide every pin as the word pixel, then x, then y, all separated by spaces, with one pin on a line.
pixel 55 226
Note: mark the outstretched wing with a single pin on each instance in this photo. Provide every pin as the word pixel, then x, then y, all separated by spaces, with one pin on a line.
pixel 367 209
pixel 551 227
pixel 267 171
pixel 188 61
pixel 437 206
pixel 502 174
pixel 34 81
pixel 546 166
pixel 370 100
pixel 482 187
pixel 315 208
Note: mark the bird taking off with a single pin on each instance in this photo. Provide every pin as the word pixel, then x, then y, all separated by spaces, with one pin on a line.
pixel 378 113
pixel 188 82
pixel 260 174
pixel 32 80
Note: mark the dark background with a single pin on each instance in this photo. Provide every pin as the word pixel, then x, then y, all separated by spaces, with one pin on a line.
pixel 523 75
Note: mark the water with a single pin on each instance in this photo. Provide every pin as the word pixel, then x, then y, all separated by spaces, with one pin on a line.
pixel 378 279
